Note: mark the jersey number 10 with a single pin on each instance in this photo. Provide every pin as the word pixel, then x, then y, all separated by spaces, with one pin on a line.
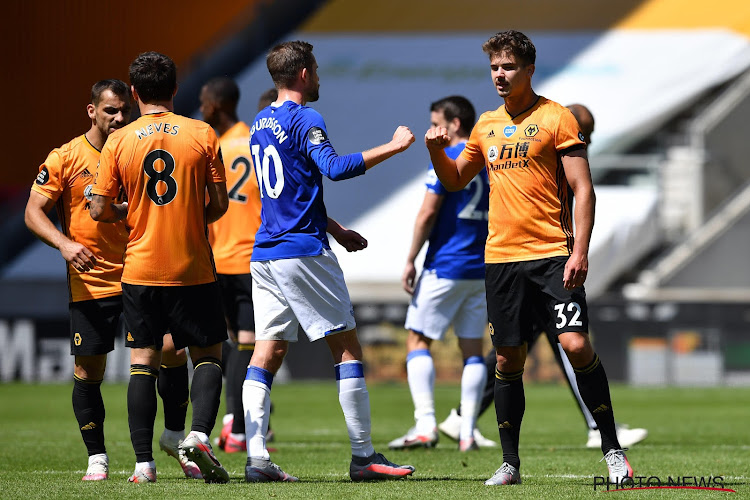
pixel 264 171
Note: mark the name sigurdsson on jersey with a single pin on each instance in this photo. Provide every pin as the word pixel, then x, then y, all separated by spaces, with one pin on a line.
pixel 152 128
pixel 273 124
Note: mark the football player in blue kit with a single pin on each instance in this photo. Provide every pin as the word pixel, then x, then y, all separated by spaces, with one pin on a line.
pixel 297 282
pixel 450 289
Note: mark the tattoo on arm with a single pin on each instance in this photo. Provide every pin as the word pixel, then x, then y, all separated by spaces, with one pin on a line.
pixel 97 206
pixel 102 209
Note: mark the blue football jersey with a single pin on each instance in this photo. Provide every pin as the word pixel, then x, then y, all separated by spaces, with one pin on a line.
pixel 291 152
pixel 456 243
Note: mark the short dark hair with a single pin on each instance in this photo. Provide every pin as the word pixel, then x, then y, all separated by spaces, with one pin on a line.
pixel 514 42
pixel 287 59
pixel 457 106
pixel 154 77
pixel 118 87
pixel 225 91
pixel 267 97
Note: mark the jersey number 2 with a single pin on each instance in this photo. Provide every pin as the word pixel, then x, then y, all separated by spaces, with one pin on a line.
pixel 264 175
pixel 470 211
pixel 234 193
pixel 164 175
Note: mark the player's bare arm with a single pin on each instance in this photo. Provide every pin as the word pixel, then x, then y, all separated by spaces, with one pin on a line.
pixel 104 209
pixel 218 201
pixel 39 223
pixel 578 174
pixel 402 139
pixel 426 218
pixel 453 174
pixel 352 241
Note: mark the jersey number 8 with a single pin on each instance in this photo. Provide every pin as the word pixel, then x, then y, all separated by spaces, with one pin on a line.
pixel 156 176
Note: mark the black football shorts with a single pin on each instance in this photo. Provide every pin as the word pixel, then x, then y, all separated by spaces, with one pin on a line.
pixel 237 298
pixel 524 297
pixel 93 325
pixel 192 314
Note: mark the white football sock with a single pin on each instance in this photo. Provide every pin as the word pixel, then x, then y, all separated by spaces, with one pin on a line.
pixel 256 401
pixel 473 381
pixel 420 373
pixel 355 403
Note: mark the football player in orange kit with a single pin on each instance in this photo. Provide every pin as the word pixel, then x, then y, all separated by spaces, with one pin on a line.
pixel 232 238
pixel 167 165
pixel 93 252
pixel 535 155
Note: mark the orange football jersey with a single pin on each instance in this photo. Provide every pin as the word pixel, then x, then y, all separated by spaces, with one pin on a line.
pixel 232 237
pixel 530 201
pixel 164 162
pixel 67 177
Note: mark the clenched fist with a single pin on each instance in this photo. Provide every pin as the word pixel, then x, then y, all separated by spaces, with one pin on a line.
pixel 402 138
pixel 436 138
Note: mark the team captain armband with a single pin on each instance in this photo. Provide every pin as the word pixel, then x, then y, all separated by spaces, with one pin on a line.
pixel 570 149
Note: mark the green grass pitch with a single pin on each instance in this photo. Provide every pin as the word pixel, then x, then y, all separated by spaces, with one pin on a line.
pixel 692 432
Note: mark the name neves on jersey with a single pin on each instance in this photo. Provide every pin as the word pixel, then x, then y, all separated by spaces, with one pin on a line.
pixel 152 128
